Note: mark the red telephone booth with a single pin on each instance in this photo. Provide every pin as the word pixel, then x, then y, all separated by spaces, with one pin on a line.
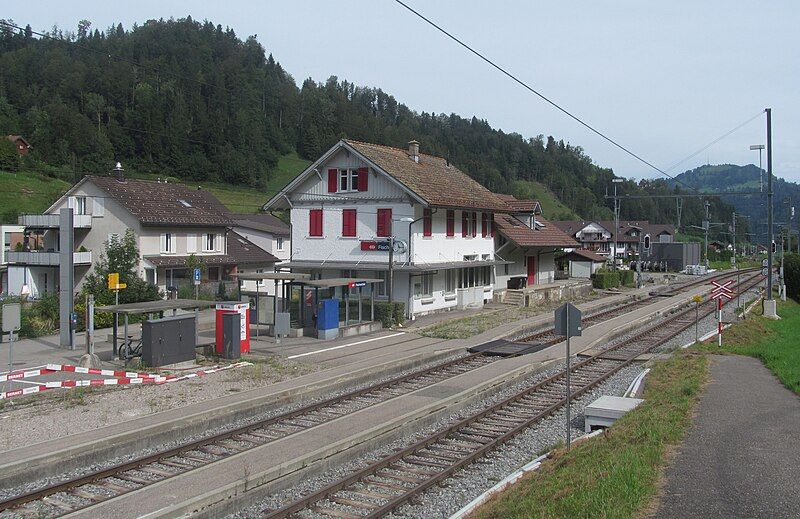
pixel 228 307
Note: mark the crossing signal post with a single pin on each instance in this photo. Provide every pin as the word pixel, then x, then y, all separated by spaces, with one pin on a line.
pixel 719 292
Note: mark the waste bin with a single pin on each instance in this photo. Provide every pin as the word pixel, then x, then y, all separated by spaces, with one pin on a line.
pixel 231 335
pixel 230 307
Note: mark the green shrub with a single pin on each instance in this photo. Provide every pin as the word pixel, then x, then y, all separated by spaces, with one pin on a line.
pixel 390 314
pixel 383 313
pixel 627 278
pixel 791 272
pixel 606 279
pixel 222 294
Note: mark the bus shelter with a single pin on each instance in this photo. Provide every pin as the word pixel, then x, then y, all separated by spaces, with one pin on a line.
pixel 353 305
pixel 282 281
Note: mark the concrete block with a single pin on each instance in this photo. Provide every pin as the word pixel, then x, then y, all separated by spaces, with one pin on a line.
pixel 606 410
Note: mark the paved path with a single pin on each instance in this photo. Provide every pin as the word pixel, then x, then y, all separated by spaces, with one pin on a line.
pixel 742 455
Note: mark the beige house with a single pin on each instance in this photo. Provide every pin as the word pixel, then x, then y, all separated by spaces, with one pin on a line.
pixel 170 221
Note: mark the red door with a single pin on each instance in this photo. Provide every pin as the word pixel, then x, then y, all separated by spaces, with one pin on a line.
pixel 531 270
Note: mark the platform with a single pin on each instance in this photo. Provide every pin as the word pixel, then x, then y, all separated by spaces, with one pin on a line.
pixel 606 410
pixel 504 348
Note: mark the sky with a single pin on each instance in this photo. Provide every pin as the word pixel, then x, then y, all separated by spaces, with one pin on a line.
pixel 662 79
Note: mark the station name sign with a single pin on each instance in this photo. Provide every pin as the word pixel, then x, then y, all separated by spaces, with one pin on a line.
pixel 375 245
pixel 357 284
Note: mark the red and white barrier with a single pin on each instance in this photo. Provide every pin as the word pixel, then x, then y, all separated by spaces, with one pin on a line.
pixel 129 378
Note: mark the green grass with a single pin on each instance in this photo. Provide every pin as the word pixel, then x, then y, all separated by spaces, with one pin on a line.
pixel 250 200
pixel 552 208
pixel 615 474
pixel 775 343
pixel 27 193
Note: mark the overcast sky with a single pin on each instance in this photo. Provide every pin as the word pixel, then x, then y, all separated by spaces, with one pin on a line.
pixel 663 79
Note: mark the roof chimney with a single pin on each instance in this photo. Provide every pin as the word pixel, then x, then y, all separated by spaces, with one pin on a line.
pixel 119 172
pixel 413 150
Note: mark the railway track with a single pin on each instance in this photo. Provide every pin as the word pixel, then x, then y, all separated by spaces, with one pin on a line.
pixel 387 484
pixel 99 486
pixel 550 337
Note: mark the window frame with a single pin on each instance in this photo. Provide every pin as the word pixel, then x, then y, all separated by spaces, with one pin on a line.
pixel 350 178
pixel 167 243
pixel 210 242
pixel 279 243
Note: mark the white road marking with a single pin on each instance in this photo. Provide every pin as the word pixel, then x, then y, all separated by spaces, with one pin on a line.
pixel 345 345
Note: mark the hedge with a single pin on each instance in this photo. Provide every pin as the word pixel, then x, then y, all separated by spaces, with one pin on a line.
pixel 791 272
pixel 390 314
pixel 606 279
pixel 628 278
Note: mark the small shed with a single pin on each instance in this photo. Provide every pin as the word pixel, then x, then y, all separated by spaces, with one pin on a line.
pixel 583 263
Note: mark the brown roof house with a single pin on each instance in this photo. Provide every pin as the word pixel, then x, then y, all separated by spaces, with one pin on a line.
pixel 528 243
pixel 358 199
pixel 170 221
pixel 21 145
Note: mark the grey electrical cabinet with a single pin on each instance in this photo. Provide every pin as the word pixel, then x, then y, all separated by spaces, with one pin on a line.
pixel 231 335
pixel 169 340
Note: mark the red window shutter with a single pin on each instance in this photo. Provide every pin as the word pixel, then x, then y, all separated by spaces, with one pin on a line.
pixel 363 179
pixel 333 180
pixel 464 224
pixel 474 224
pixel 384 222
pixel 484 225
pixel 427 222
pixel 451 222
pixel 492 225
pixel 315 222
pixel 349 222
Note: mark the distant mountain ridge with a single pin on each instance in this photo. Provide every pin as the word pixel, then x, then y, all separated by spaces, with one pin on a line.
pixel 733 178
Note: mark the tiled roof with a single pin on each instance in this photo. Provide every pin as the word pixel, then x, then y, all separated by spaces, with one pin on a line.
pixel 262 222
pixel 432 179
pixel 548 235
pixel 245 252
pixel 164 203
pixel 523 206
pixel 587 254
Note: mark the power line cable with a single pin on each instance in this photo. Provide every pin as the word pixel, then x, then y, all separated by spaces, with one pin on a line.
pixel 540 95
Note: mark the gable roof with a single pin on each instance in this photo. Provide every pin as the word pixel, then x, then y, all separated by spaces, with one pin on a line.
pixel 586 255
pixel 262 222
pixel 15 138
pixel 546 235
pixel 432 178
pixel 162 203
pixel 522 206
pixel 245 252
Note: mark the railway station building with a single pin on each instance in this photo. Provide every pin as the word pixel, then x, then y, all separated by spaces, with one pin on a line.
pixel 411 219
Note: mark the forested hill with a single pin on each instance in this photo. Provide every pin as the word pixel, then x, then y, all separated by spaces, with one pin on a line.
pixel 732 178
pixel 192 100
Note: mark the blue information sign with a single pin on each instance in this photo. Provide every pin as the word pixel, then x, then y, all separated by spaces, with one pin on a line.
pixel 197 276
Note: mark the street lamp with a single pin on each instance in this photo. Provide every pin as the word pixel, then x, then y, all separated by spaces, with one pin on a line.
pixel 615 181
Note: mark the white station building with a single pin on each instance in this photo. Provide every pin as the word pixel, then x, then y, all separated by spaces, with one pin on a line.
pixel 356 199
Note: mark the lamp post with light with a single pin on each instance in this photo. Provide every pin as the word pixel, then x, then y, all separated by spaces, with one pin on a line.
pixel 616 181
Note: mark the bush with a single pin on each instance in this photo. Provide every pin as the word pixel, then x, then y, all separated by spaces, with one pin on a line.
pixel 390 314
pixel 627 278
pixel 606 279
pixel 222 294
pixel 791 272
pixel 383 313
pixel 39 317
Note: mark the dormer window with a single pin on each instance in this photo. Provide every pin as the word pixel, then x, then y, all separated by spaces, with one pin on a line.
pixel 184 203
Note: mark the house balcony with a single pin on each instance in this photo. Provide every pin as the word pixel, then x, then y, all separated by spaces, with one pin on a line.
pixel 51 221
pixel 47 259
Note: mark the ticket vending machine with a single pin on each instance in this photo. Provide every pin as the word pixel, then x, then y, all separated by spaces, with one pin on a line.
pixel 242 309
pixel 328 319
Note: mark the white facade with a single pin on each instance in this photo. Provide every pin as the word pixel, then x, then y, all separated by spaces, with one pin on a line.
pixel 431 273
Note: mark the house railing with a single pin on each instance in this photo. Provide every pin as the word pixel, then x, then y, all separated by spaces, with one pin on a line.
pixel 51 221
pixel 51 259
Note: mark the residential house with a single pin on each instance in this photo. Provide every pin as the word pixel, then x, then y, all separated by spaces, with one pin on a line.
pixel 528 243
pixel 170 222
pixel 21 145
pixel 357 198
pixel 269 233
pixel 12 237
pixel 598 236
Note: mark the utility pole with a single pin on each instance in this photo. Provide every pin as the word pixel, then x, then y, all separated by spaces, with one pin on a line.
pixel 616 181
pixel 706 225
pixel 770 308
pixel 733 258
pixel 391 269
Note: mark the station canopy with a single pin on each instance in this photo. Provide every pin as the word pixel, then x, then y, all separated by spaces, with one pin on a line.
pixel 162 305
pixel 338 282
pixel 277 276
